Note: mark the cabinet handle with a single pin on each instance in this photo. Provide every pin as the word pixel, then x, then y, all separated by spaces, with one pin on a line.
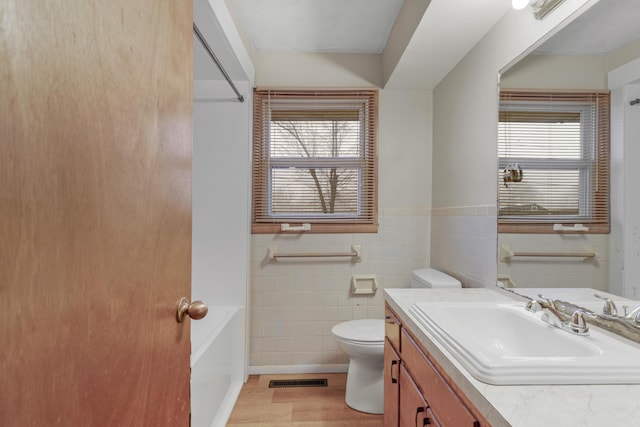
pixel 393 380
pixel 425 420
pixel 389 320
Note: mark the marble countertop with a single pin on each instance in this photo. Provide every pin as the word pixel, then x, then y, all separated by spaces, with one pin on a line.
pixel 521 405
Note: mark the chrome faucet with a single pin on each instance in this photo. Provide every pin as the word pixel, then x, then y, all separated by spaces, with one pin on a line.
pixel 633 316
pixel 576 323
pixel 609 309
pixel 551 315
pixel 571 317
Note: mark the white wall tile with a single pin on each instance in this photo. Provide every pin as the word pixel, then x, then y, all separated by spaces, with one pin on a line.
pixel 463 244
pixel 554 272
pixel 295 305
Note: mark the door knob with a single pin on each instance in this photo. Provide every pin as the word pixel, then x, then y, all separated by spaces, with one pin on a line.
pixel 196 310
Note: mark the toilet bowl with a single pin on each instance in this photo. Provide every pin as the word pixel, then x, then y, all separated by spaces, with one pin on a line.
pixel 363 341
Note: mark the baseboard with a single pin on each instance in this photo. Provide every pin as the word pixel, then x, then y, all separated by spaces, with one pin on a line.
pixel 297 369
pixel 226 407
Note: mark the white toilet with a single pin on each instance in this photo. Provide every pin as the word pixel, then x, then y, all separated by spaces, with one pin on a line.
pixel 363 341
pixel 431 278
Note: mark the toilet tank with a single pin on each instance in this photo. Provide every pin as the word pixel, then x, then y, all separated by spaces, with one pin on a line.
pixel 431 278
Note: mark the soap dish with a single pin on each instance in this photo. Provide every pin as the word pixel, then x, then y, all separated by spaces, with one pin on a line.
pixel 363 284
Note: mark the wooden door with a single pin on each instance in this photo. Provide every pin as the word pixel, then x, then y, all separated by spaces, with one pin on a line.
pixel 95 211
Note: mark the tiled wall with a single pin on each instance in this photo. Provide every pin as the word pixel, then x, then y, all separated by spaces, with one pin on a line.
pixel 550 272
pixel 296 302
pixel 463 243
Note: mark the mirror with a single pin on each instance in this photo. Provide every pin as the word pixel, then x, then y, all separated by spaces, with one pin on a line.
pixel 581 57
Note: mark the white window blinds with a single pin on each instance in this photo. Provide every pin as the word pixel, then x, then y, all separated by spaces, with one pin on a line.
pixel 553 150
pixel 315 159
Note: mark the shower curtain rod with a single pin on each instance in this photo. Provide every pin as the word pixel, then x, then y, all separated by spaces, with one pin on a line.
pixel 213 56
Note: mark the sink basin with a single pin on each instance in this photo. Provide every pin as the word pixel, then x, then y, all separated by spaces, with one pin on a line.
pixel 502 343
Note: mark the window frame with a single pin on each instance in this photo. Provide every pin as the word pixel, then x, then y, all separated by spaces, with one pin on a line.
pixel 593 166
pixel 266 101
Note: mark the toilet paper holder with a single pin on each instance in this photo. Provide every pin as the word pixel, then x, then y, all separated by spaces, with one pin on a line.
pixel 363 284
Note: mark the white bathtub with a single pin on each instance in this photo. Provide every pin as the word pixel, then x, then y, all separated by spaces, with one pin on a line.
pixel 217 365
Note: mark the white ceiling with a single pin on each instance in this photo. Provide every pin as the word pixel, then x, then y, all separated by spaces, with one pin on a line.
pixel 606 27
pixel 447 31
pixel 345 26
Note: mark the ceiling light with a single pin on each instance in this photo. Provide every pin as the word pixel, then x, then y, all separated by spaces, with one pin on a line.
pixel 540 7
pixel 521 4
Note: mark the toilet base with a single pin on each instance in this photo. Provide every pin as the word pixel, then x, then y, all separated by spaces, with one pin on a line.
pixel 365 385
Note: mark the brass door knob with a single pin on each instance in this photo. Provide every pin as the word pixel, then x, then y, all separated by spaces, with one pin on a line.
pixel 196 310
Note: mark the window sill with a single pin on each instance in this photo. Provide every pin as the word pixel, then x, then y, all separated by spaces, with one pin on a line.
pixel 316 229
pixel 548 229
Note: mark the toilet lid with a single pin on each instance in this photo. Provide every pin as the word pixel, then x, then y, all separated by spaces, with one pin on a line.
pixel 366 330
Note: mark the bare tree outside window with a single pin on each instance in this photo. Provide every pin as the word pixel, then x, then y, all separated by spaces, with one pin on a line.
pixel 315 188
pixel 314 160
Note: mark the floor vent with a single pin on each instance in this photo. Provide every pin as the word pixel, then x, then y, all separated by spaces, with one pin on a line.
pixel 316 382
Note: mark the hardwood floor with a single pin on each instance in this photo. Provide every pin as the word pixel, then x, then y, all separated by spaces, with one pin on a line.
pixel 259 405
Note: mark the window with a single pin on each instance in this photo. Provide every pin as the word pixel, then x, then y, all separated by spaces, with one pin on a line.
pixel 553 161
pixel 314 160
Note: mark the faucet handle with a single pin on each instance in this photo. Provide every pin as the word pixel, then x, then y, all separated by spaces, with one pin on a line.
pixel 609 308
pixel 578 323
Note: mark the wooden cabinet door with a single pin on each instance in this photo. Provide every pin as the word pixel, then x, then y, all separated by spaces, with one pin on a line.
pixel 414 411
pixel 445 403
pixel 391 385
pixel 95 212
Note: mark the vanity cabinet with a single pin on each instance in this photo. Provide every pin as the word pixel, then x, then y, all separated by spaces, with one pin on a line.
pixel 414 410
pixel 416 392
pixel 391 370
pixel 391 385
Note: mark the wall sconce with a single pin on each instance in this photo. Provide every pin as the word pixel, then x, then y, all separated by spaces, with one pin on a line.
pixel 540 7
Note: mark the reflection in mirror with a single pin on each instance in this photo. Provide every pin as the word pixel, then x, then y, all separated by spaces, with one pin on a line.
pixel 550 187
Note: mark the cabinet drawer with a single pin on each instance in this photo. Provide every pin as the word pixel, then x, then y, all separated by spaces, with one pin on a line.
pixel 445 404
pixel 392 328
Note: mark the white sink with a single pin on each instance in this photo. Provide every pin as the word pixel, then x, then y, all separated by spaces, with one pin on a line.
pixel 502 343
